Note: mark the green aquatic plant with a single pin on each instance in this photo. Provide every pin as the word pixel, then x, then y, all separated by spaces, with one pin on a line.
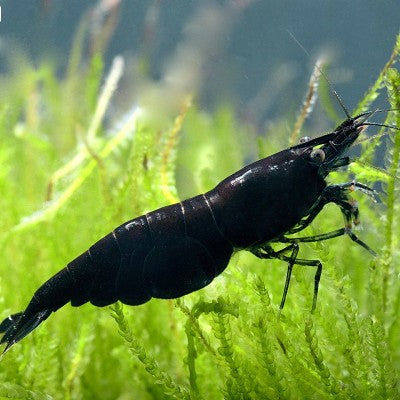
pixel 68 176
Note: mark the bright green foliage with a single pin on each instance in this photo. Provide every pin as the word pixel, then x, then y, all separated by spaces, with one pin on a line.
pixel 67 178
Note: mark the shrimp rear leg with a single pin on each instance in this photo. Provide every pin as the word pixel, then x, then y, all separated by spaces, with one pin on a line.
pixel 266 252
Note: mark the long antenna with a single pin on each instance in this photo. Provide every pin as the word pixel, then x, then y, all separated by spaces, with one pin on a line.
pixel 338 98
pixel 382 170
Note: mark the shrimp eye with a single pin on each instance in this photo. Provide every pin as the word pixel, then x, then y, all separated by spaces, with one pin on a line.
pixel 317 155
pixel 304 139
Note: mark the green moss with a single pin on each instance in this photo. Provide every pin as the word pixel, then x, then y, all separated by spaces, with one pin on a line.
pixel 67 178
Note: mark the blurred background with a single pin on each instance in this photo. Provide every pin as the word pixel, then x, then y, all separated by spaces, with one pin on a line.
pixel 237 52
